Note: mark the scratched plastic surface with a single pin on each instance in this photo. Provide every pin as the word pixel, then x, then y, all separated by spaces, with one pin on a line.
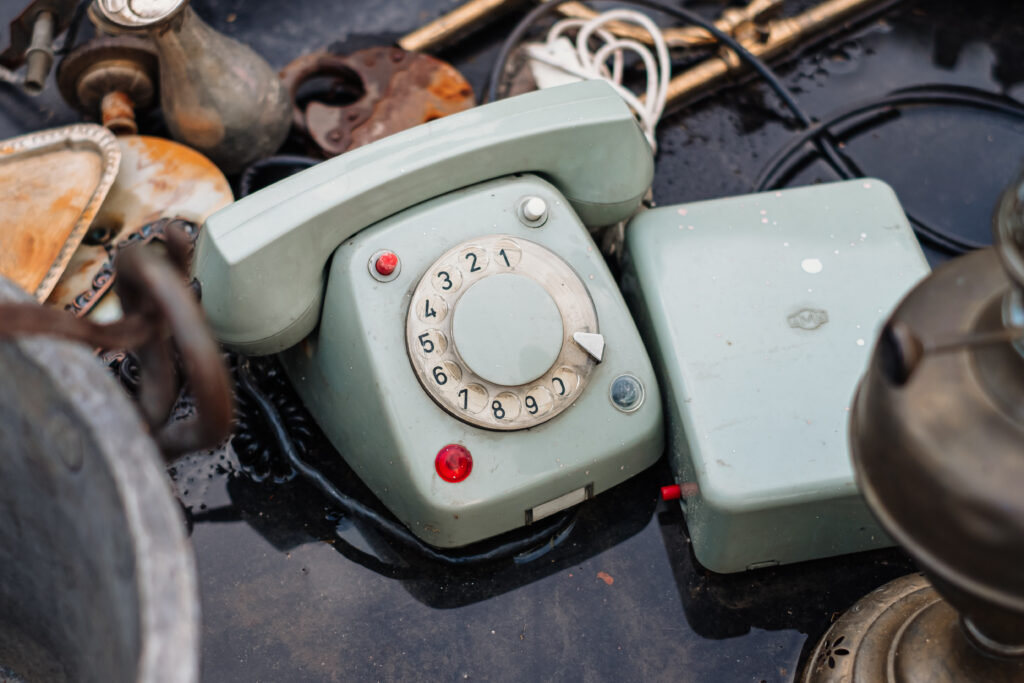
pixel 292 592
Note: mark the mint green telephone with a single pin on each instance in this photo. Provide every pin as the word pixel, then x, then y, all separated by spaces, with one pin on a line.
pixel 468 352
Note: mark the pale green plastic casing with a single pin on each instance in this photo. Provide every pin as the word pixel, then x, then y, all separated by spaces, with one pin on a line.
pixel 508 329
pixel 760 313
pixel 355 376
pixel 261 260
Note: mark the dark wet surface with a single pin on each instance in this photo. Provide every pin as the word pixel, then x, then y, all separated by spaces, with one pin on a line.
pixel 291 591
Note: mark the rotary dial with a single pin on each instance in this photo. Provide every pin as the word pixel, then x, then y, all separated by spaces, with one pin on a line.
pixel 502 333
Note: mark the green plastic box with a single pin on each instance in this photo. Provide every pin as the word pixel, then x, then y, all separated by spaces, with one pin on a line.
pixel 760 313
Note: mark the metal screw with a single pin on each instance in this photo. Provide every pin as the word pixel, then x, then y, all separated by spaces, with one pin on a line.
pixel 626 393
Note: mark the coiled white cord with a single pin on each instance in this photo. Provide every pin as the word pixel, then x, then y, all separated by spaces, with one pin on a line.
pixel 578 61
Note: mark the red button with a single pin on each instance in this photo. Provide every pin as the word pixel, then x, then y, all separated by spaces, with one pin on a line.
pixel 453 463
pixel 386 263
pixel 672 492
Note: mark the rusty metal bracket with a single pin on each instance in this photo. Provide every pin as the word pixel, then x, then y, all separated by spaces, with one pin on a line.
pixel 393 90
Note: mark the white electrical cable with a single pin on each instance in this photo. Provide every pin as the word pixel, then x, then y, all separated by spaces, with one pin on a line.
pixel 582 63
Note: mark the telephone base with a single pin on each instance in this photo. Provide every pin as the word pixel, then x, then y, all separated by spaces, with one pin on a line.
pixel 365 374
pixel 761 312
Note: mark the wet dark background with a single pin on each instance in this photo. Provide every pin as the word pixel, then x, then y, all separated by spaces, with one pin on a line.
pixel 291 591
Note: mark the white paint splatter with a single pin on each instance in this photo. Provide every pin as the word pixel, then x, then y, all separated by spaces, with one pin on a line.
pixel 811 265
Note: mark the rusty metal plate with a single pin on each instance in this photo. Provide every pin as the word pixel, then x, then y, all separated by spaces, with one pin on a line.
pixel 54 183
pixel 395 90
pixel 157 178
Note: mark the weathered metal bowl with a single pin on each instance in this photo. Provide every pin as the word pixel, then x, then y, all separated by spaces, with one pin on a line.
pixel 97 579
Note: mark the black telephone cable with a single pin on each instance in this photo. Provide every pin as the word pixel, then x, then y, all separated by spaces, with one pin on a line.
pixel 832 156
pixel 546 532
pixel 782 162
pixel 814 132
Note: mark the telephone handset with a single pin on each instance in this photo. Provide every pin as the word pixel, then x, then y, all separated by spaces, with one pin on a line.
pixel 582 138
pixel 471 356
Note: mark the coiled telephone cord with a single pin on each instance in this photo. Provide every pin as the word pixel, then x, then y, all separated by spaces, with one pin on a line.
pixel 587 64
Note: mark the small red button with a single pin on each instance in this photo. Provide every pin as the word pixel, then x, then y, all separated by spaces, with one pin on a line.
pixel 672 492
pixel 453 463
pixel 386 263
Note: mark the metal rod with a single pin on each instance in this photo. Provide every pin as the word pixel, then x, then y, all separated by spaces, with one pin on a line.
pixel 680 37
pixel 782 35
pixel 463 19
pixel 39 55
pixel 474 14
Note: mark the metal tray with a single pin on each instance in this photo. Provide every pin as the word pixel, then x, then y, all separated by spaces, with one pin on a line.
pixel 54 182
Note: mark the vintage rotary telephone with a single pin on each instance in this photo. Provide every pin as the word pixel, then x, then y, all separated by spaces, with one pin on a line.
pixel 442 310
pixel 471 357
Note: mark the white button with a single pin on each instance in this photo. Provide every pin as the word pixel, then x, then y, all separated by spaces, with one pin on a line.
pixel 534 209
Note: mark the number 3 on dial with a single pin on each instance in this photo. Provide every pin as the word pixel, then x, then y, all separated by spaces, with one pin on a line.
pixel 447 279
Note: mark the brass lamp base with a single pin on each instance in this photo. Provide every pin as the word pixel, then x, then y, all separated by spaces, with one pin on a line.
pixel 904 632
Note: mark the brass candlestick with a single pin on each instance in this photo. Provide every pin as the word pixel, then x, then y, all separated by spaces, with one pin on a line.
pixel 937 437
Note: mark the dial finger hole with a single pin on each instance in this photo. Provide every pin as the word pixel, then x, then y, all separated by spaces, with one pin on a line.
pixel 507 254
pixel 472 398
pixel 446 376
pixel 431 309
pixel 447 278
pixel 431 344
pixel 564 382
pixel 505 407
pixel 473 261
pixel 538 401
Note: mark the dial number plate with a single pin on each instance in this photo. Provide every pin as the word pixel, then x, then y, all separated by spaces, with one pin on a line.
pixel 433 350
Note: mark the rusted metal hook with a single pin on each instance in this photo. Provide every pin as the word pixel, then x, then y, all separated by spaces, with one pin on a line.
pixel 161 316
